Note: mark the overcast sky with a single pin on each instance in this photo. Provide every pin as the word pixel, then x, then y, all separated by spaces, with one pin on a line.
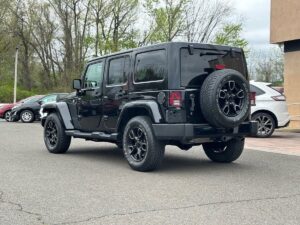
pixel 256 19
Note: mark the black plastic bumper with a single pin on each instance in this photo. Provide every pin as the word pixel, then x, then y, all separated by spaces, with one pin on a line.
pixel 198 133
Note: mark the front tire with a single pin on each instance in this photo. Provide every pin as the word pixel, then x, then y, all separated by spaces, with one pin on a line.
pixel 27 116
pixel 55 139
pixel 224 152
pixel 141 148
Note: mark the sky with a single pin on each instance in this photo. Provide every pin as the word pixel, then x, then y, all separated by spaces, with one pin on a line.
pixel 256 19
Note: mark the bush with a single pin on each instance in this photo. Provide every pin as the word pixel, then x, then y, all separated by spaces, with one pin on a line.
pixel 7 93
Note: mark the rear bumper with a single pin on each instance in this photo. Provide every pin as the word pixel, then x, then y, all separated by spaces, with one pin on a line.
pixel 200 133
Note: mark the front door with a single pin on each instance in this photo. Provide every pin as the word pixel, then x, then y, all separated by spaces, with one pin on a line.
pixel 116 90
pixel 89 103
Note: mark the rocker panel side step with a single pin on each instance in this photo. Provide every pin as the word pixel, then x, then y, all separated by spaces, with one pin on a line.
pixel 92 135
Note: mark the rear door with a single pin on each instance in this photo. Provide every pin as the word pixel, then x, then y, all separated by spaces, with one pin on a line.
pixel 116 89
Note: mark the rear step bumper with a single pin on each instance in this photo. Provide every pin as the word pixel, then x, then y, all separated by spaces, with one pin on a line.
pixel 200 133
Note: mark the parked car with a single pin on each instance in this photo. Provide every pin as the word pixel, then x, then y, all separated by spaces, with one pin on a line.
pixel 270 111
pixel 28 111
pixel 179 94
pixel 5 109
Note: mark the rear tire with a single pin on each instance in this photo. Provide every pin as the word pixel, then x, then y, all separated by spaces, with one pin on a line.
pixel 141 148
pixel 55 138
pixel 224 152
pixel 27 116
pixel 266 124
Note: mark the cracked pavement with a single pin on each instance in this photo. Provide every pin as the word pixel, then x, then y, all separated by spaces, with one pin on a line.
pixel 92 184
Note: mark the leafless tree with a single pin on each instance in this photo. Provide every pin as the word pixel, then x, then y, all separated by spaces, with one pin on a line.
pixel 204 17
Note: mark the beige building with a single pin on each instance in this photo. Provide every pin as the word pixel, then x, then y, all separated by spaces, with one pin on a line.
pixel 285 30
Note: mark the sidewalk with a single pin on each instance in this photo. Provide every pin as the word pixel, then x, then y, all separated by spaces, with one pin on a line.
pixel 281 142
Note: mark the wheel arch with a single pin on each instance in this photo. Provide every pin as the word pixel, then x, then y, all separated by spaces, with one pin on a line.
pixel 61 109
pixel 267 112
pixel 138 108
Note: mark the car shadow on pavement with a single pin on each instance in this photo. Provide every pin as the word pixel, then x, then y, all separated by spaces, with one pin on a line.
pixel 172 163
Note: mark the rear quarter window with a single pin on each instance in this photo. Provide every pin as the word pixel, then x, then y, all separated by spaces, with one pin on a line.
pixel 257 90
pixel 150 66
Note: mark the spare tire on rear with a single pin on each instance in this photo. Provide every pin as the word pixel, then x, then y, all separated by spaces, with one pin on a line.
pixel 224 98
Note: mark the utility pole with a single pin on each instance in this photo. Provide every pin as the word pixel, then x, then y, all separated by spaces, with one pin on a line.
pixel 16 74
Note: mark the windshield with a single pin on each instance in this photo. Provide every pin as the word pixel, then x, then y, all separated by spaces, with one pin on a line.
pixel 203 62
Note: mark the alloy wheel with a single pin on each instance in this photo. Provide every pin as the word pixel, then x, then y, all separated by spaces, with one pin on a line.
pixel 137 143
pixel 7 115
pixel 51 133
pixel 265 125
pixel 27 116
pixel 231 98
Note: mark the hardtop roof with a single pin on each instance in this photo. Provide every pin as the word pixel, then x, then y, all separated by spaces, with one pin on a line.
pixel 166 44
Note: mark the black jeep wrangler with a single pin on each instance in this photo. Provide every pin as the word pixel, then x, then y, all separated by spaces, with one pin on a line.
pixel 182 94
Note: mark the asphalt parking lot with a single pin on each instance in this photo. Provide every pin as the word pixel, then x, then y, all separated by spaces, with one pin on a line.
pixel 92 184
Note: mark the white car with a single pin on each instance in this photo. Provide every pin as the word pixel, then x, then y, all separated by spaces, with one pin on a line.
pixel 270 110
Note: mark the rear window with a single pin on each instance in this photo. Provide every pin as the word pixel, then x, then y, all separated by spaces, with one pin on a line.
pixel 203 62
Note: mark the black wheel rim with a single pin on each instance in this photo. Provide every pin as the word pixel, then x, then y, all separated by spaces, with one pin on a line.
pixel 51 133
pixel 231 98
pixel 265 125
pixel 137 143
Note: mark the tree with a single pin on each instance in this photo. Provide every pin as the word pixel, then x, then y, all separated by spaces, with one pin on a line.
pixel 267 66
pixel 231 35
pixel 203 18
pixel 167 19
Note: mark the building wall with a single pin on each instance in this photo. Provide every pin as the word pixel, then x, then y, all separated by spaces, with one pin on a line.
pixel 285 29
pixel 285 20
pixel 292 86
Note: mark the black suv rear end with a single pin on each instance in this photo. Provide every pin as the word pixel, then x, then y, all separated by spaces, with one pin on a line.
pixel 182 94
pixel 187 121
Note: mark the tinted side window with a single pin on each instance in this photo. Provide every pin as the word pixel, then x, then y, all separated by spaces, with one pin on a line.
pixel 117 68
pixel 93 75
pixel 150 66
pixel 256 90
pixel 50 98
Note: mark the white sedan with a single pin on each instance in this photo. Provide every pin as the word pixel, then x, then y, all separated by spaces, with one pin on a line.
pixel 270 110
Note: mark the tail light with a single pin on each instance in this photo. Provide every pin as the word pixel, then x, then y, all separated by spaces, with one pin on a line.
pixel 175 99
pixel 253 98
pixel 220 67
pixel 279 98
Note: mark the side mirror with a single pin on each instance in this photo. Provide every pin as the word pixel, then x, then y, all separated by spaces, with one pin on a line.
pixel 77 84
pixel 40 102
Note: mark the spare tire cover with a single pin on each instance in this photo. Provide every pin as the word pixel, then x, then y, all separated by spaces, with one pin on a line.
pixel 224 98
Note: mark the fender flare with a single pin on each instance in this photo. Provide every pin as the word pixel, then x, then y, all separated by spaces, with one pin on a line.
pixel 63 111
pixel 150 105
